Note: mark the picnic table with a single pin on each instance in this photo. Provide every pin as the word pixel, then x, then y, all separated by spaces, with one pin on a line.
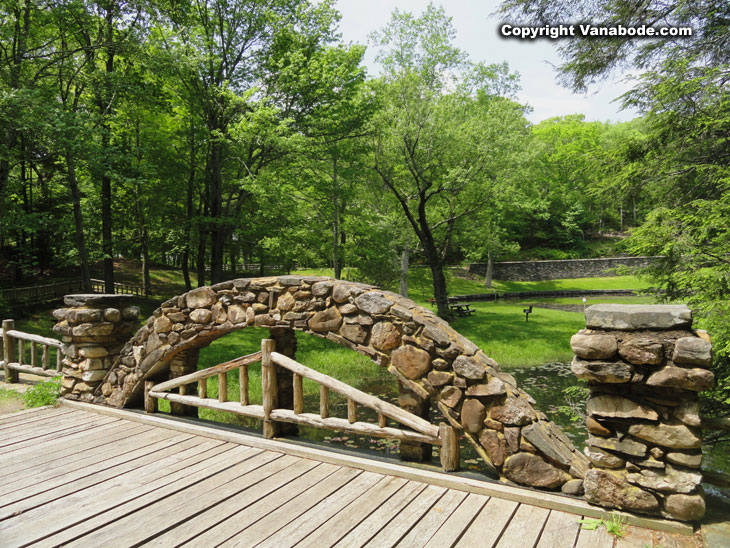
pixel 461 309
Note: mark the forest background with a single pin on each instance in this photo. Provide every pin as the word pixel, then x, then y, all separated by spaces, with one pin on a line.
pixel 212 135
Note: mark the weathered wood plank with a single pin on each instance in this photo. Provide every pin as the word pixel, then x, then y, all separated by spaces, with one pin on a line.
pixel 354 513
pixel 103 457
pixel 269 524
pixel 82 452
pixel 596 538
pixel 239 504
pixel 143 525
pixel 458 521
pixel 69 445
pixel 470 485
pixel 25 414
pixel 635 537
pixel 561 529
pixel 299 528
pixel 524 528
pixel 37 437
pixel 30 337
pixel 404 417
pixel 255 411
pixel 489 524
pixel 323 475
pixel 37 496
pixel 432 520
pixel 106 506
pixel 370 526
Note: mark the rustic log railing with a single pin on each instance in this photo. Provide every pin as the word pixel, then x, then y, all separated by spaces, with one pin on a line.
pixel 43 292
pixel 120 288
pixel 415 428
pixel 28 353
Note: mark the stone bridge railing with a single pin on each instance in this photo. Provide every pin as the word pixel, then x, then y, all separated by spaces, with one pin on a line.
pixel 639 404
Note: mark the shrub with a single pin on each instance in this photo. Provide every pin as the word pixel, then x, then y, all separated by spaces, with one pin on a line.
pixel 45 393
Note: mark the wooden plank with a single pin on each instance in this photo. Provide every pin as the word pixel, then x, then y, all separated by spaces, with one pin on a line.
pixel 233 524
pixel 524 528
pixel 596 538
pixel 239 504
pixel 69 445
pixel 285 513
pixel 104 508
pixel 393 411
pixel 102 457
pixel 353 514
pixel 297 529
pixel 635 537
pixel 489 524
pixel 561 529
pixel 27 421
pixel 324 401
pixel 27 368
pixel 48 464
pixel 458 521
pixel 370 526
pixel 243 397
pixel 222 387
pixel 45 433
pixel 38 495
pixel 28 415
pixel 542 499
pixel 422 531
pixel 144 525
pixel 38 437
pixel 298 393
pixel 47 423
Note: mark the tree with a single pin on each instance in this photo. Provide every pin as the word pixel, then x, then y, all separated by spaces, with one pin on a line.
pixel 683 159
pixel 444 133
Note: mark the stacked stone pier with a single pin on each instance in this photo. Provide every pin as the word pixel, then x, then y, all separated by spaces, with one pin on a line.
pixel 94 329
pixel 645 366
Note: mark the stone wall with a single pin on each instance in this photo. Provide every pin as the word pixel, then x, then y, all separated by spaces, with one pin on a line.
pixel 93 328
pixel 554 270
pixel 430 361
pixel 644 366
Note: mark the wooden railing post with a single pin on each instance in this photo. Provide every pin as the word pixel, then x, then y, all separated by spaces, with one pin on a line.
pixel 150 404
pixel 449 448
pixel 269 388
pixel 11 375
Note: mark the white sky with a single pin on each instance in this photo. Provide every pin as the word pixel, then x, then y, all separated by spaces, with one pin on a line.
pixel 477 33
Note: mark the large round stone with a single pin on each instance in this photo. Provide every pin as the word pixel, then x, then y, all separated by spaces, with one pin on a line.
pixel 674 435
pixel 373 303
pixel 604 372
pixel 411 361
pixel 593 347
pixel 201 297
pixel 670 376
pixel 329 319
pixel 611 490
pixel 514 412
pixel 607 405
pixel 685 507
pixel 385 336
pixel 693 350
pixel 472 415
pixel 642 351
pixel 469 368
pixel 495 446
pixel 529 469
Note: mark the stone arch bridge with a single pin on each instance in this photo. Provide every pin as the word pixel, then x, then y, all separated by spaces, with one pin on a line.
pixel 431 361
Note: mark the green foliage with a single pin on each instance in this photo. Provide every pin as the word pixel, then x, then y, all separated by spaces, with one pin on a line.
pixel 615 525
pixel 45 393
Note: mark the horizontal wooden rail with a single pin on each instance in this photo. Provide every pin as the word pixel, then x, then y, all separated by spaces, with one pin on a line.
pixel 393 411
pixel 120 288
pixel 14 353
pixel 416 429
pixel 206 373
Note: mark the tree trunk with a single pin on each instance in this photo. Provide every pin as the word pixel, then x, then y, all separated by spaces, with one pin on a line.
pixel 335 223
pixel 217 232
pixel 490 269
pixel 78 222
pixel 234 260
pixel 404 263
pixel 185 259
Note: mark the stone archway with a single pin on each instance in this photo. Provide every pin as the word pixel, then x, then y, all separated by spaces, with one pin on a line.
pixel 428 357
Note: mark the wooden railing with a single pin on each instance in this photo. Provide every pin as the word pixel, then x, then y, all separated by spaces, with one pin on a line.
pixel 38 293
pixel 416 428
pixel 98 286
pixel 28 353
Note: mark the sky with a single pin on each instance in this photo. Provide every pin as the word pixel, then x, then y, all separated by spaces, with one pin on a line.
pixel 477 33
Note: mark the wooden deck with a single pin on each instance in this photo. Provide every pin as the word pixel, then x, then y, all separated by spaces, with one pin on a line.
pixel 75 477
